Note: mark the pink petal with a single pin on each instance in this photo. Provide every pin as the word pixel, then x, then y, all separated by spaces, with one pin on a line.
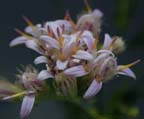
pixel 128 72
pixel 44 74
pixel 41 59
pixel 27 105
pixel 61 65
pixel 51 41
pixel 83 55
pixel 107 41
pixel 17 41
pixel 93 89
pixel 76 71
pixel 33 45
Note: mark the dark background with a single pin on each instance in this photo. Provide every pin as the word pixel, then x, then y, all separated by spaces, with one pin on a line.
pixel 121 17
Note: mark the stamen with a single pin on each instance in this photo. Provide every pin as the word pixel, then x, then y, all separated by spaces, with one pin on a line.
pixel 60 38
pixel 88 6
pixel 15 95
pixel 50 32
pixel 128 65
pixel 63 28
pixel 18 95
pixel 79 36
pixel 87 68
pixel 95 43
pixel 67 17
pixel 23 34
pixel 29 23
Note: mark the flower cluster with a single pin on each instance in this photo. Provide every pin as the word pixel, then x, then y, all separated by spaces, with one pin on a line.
pixel 69 50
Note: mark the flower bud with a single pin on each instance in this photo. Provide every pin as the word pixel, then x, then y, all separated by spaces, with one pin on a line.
pixel 91 21
pixel 119 45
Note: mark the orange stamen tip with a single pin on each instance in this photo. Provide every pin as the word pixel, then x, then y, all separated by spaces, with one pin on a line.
pixel 129 65
pixel 19 31
pixel 135 62
pixel 67 15
pixel 27 21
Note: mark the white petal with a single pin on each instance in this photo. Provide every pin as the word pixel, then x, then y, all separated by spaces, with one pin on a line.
pixel 44 74
pixel 33 31
pixel 128 72
pixel 83 55
pixel 68 47
pixel 93 89
pixel 17 41
pixel 98 59
pixel 27 105
pixel 61 65
pixel 107 41
pixel 67 25
pixel 76 71
pixel 29 30
pixel 53 26
pixel 76 60
pixel 51 41
pixel 41 59
pixel 88 38
pixel 33 45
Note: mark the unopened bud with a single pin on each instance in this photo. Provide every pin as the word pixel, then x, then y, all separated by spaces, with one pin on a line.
pixel 91 21
pixel 119 45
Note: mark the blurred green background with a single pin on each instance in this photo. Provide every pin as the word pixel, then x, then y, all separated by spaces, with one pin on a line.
pixel 121 98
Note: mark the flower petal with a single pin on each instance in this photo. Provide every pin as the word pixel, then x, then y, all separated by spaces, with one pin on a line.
pixel 17 41
pixel 88 39
pixel 67 25
pixel 107 41
pixel 99 59
pixel 61 65
pixel 51 41
pixel 93 89
pixel 53 27
pixel 41 59
pixel 33 45
pixel 83 55
pixel 68 47
pixel 44 74
pixel 76 71
pixel 127 72
pixel 27 105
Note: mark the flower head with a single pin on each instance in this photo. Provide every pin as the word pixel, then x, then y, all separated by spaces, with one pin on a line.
pixel 68 50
